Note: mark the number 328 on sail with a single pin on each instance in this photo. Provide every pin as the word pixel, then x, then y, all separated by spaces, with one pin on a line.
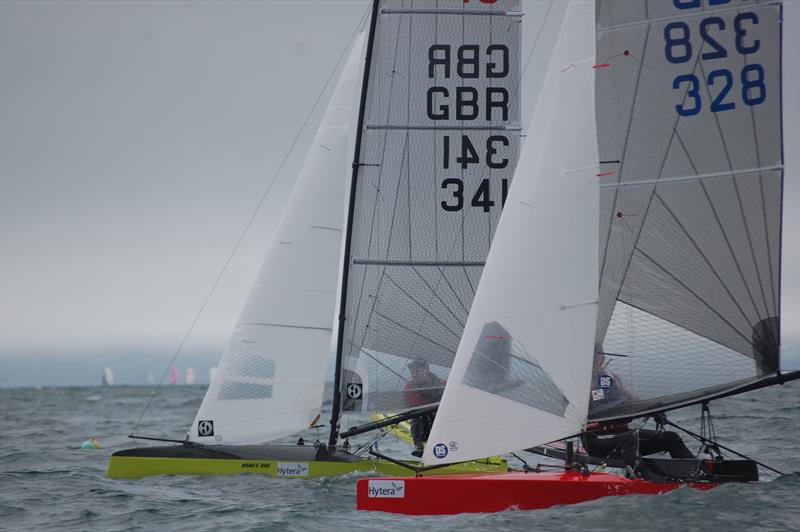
pixel 726 55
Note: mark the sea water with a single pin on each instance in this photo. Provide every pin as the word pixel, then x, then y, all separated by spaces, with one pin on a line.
pixel 48 483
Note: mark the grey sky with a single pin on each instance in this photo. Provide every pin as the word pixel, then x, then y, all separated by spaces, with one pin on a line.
pixel 135 141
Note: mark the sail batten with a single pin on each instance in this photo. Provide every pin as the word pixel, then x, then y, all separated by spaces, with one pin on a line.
pixel 680 15
pixel 755 172
pixel 442 127
pixel 418 263
pixel 410 11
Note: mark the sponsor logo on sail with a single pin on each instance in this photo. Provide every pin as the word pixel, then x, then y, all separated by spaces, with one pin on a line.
pixel 288 469
pixel 605 381
pixel 597 395
pixel 354 390
pixel 386 489
pixel 205 428
pixel 440 450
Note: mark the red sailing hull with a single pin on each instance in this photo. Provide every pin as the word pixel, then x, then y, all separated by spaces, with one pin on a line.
pixel 438 495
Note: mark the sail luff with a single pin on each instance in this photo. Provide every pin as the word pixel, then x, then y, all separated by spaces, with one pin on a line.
pixel 789 263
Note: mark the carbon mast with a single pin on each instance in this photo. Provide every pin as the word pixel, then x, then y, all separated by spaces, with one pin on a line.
pixel 337 383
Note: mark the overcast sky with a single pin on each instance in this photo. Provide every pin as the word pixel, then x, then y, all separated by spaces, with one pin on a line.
pixel 136 139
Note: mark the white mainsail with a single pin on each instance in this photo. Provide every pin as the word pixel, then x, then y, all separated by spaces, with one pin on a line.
pixel 108 376
pixel 522 371
pixel 439 146
pixel 271 377
pixel 693 113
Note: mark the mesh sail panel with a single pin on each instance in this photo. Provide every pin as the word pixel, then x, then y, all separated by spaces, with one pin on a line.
pixel 439 148
pixel 688 103
pixel 502 366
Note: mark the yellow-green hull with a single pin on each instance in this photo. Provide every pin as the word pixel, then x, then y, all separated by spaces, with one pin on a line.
pixel 131 467
pixel 138 467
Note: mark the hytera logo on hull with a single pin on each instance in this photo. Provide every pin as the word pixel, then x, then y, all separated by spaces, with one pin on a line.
pixel 286 469
pixel 386 489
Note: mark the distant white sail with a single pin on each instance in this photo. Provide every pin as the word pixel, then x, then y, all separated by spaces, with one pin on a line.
pixel 189 375
pixel 108 376
pixel 522 371
pixel 271 377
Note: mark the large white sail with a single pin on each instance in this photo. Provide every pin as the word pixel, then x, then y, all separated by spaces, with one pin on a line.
pixel 522 370
pixel 439 148
pixel 271 377
pixel 692 114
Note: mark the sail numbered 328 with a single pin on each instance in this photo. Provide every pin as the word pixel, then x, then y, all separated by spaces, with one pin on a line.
pixel 690 132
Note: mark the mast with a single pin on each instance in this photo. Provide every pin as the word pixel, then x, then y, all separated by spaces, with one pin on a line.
pixel 337 383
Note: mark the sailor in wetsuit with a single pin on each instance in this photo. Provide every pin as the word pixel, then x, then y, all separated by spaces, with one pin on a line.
pixel 617 440
pixel 424 388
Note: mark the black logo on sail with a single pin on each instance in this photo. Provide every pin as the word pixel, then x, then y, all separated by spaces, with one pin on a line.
pixel 205 428
pixel 354 390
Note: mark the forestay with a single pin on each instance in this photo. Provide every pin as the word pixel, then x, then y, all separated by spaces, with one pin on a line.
pixel 522 372
pixel 689 124
pixel 439 148
pixel 270 380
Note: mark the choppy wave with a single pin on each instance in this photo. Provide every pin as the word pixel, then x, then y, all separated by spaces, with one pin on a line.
pixel 48 483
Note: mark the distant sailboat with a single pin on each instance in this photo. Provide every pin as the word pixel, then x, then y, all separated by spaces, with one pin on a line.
pixel 108 377
pixel 189 376
pixel 174 375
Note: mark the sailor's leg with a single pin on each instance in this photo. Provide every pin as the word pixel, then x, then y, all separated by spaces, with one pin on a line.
pixel 654 441
pixel 613 446
pixel 418 431
pixel 427 423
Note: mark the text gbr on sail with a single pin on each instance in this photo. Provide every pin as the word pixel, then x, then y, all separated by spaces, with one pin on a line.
pixel 468 62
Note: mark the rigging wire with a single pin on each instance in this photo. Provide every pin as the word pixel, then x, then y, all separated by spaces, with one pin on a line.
pixel 536 39
pixel 253 216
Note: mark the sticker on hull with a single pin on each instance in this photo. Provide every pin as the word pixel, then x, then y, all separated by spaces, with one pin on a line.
pixel 386 489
